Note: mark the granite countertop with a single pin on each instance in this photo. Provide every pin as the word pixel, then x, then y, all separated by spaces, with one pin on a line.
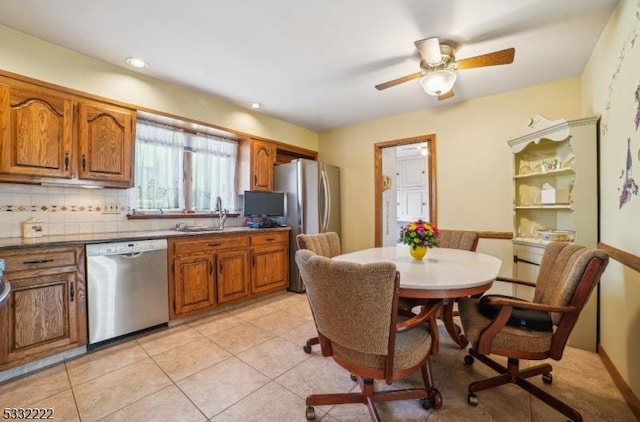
pixel 68 239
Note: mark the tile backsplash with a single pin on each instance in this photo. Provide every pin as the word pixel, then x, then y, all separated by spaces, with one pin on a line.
pixel 70 210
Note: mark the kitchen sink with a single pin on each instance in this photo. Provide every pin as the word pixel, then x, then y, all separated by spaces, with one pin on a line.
pixel 198 229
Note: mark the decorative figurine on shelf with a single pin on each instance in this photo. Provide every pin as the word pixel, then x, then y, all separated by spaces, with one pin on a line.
pixel 419 235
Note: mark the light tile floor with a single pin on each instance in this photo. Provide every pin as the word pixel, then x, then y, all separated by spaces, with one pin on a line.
pixel 247 364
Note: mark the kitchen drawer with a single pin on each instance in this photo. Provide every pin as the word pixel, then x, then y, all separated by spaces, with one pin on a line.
pixel 269 238
pixel 25 259
pixel 531 254
pixel 212 243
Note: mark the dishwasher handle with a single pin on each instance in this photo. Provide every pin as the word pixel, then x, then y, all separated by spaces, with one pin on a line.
pixel 131 255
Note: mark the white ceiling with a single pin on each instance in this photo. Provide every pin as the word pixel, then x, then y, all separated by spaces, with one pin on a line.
pixel 315 63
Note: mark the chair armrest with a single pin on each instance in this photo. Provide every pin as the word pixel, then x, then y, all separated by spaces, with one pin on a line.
pixel 505 301
pixel 516 281
pixel 428 311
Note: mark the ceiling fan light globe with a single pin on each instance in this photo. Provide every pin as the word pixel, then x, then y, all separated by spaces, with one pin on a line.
pixel 438 82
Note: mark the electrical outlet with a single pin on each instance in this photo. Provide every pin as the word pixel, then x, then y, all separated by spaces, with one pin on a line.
pixel 111 208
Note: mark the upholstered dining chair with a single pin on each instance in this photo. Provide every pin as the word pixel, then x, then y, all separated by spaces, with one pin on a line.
pixel 325 244
pixel 534 330
pixel 355 307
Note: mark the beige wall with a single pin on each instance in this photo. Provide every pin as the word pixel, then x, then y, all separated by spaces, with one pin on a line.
pixel 473 159
pixel 29 56
pixel 620 285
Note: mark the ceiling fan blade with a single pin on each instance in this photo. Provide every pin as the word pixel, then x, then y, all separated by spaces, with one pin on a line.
pixel 429 49
pixel 446 95
pixel 489 59
pixel 398 81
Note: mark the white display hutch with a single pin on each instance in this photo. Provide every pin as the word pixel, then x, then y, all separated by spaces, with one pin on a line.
pixel 561 155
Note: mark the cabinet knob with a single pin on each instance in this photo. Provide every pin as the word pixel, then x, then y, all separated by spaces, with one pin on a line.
pixel 84 162
pixel 66 161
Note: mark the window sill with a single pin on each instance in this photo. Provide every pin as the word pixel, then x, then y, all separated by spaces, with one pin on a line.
pixel 173 215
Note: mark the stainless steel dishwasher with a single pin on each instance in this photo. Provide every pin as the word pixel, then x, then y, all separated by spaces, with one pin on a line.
pixel 127 287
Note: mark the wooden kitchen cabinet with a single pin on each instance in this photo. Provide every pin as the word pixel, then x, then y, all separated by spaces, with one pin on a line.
pixel 48 135
pixel 105 143
pixel 232 276
pixel 36 130
pixel 269 261
pixel 262 161
pixel 46 311
pixel 206 270
pixel 214 269
pixel 257 158
pixel 194 287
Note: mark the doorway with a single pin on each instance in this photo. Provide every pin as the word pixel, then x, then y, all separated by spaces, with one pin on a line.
pixel 405 185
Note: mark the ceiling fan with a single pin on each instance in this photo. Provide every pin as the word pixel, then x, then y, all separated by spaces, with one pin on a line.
pixel 439 65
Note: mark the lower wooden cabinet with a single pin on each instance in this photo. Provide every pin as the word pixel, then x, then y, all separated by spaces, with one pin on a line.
pixel 213 269
pixel 46 311
pixel 269 268
pixel 232 276
pixel 207 270
pixel 194 284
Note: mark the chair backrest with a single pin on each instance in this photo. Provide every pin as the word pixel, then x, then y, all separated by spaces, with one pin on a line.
pixel 325 244
pixel 568 275
pixel 354 305
pixel 458 239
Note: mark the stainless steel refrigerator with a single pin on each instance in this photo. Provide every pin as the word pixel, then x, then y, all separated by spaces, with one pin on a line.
pixel 313 203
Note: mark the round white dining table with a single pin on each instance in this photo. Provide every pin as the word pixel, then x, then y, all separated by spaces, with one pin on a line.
pixel 443 273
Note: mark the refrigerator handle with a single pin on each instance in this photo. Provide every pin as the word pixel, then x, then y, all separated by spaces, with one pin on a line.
pixel 300 197
pixel 327 200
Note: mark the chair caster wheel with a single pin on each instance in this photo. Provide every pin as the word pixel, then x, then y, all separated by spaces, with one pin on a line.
pixel 310 413
pixel 472 399
pixel 306 348
pixel 353 376
pixel 435 398
pixel 468 360
pixel 547 378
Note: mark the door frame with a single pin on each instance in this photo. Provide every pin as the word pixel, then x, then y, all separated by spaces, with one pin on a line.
pixel 431 178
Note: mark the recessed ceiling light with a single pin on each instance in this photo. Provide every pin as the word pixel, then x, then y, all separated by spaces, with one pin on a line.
pixel 255 106
pixel 139 63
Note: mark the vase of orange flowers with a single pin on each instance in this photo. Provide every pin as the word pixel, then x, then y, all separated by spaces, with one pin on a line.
pixel 420 236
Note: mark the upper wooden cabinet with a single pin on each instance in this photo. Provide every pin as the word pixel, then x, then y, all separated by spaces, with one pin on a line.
pixel 257 158
pixel 36 130
pixel 105 141
pixel 49 135
pixel 262 161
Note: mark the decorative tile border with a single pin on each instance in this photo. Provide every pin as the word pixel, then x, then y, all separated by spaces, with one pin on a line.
pixel 51 208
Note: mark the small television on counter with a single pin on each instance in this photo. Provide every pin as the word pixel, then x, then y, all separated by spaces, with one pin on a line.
pixel 264 204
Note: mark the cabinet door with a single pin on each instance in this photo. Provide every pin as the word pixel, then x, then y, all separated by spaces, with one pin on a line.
pixel 262 159
pixel 105 140
pixel 36 129
pixel 412 204
pixel 193 284
pixel 43 316
pixel 269 268
pixel 412 172
pixel 232 276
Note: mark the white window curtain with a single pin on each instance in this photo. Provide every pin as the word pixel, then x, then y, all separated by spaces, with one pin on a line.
pixel 214 171
pixel 159 167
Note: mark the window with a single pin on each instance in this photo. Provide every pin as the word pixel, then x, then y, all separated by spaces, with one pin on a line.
pixel 178 170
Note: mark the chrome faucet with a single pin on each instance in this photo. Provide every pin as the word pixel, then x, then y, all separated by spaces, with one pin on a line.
pixel 222 215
